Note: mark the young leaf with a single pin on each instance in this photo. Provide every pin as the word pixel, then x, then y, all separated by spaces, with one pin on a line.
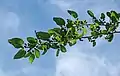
pixel 43 35
pixel 104 32
pixel 72 13
pixel 113 13
pixel 84 31
pixel 21 53
pixel 16 42
pixel 59 21
pixel 37 53
pixel 31 58
pixel 90 13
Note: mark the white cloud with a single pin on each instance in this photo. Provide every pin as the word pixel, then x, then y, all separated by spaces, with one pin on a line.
pixel 75 63
pixel 63 5
pixel 9 21
pixel 81 6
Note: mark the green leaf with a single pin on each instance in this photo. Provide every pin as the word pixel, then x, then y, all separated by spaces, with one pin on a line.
pixel 109 37
pixel 37 53
pixel 54 31
pixel 84 31
pixel 72 42
pixel 31 58
pixel 108 14
pixel 54 45
pixel 43 47
pixel 21 53
pixel 104 32
pixel 94 43
pixel 90 13
pixel 70 23
pixel 115 14
pixel 92 27
pixel 112 28
pixel 16 42
pixel 31 40
pixel 59 21
pixel 107 26
pixel 27 55
pixel 113 19
pixel 43 35
pixel 102 16
pixel 72 13
pixel 44 51
pixel 58 51
pixel 32 45
pixel 63 49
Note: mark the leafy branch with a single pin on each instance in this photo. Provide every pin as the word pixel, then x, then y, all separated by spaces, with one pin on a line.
pixel 68 33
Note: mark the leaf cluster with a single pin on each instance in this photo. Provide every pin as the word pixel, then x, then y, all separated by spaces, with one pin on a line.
pixel 69 32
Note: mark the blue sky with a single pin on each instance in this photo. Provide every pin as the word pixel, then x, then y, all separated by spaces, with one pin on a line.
pixel 19 18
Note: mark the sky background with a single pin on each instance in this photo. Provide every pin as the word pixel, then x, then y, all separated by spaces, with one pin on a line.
pixel 19 18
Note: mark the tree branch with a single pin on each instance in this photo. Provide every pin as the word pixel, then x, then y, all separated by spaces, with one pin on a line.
pixel 102 33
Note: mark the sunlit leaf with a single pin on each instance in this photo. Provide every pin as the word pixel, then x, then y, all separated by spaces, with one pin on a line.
pixel 84 31
pixel 31 58
pixel 37 53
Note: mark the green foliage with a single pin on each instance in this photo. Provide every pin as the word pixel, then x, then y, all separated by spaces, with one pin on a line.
pixel 59 21
pixel 69 32
pixel 31 58
pixel 43 35
pixel 63 49
pixel 57 53
pixel 73 13
pixel 16 42
pixel 102 16
pixel 20 54
pixel 37 53
pixel 31 40
pixel 90 13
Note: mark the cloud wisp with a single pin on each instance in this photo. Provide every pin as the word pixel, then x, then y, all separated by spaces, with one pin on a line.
pixel 80 64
